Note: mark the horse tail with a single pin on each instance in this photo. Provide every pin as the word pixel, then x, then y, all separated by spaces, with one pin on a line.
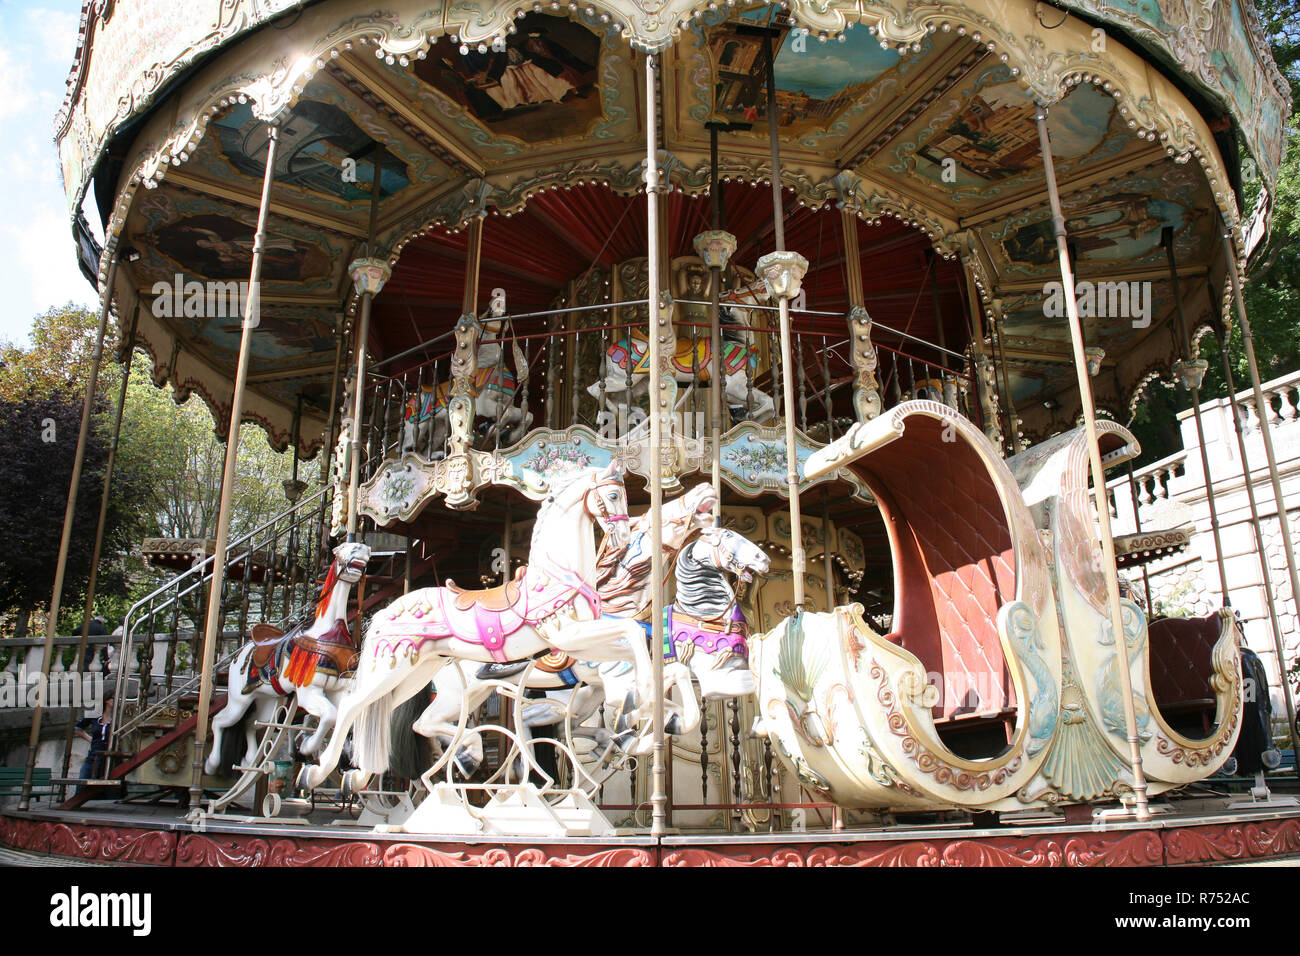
pixel 409 753
pixel 233 744
pixel 370 735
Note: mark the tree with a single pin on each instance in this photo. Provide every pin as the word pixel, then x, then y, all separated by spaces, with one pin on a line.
pixel 166 480
pixel 39 436
pixel 1272 289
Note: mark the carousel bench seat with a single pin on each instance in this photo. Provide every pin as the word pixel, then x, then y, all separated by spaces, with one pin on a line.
pixel 1181 666
pixel 954 567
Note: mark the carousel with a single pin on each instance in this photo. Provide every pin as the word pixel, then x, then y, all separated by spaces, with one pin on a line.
pixel 711 406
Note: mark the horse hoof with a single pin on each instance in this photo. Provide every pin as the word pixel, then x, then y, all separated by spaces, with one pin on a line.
pixel 304 780
pixel 354 781
pixel 673 725
pixel 466 765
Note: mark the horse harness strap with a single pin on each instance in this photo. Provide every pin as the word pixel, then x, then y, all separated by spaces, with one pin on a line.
pixel 707 634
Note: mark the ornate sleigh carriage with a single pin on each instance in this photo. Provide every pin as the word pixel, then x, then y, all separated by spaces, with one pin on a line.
pixel 996 687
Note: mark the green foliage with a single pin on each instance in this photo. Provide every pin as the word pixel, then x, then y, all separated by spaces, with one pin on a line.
pixel 166 481
pixel 1281 22
pixel 1273 286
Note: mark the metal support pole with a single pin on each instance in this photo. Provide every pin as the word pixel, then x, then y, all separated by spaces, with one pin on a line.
pixel 826 550
pixel 128 345
pixel 1265 571
pixel 1192 383
pixel 798 557
pixel 1098 472
pixel 1284 525
pixel 219 556
pixel 464 363
pixel 61 567
pixel 408 570
pixel 505 542
pixel 660 332
pixel 368 293
pixel 867 400
pixel 1137 526
pixel 716 247
pixel 774 149
pixel 715 336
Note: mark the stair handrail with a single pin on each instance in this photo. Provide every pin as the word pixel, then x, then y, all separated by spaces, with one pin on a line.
pixel 202 573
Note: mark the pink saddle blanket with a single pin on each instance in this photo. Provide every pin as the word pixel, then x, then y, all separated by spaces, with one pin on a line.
pixel 432 614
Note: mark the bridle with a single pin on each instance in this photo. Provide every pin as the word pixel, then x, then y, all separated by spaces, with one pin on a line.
pixel 724 557
pixel 603 514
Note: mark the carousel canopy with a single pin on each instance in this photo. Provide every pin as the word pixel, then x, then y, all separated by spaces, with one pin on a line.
pixel 918 121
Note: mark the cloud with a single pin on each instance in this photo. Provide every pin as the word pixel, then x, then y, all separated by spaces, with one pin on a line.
pixel 1079 122
pixel 15 81
pixel 39 240
pixel 57 30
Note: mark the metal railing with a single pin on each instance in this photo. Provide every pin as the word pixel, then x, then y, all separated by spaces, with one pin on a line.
pixel 404 412
pixel 270 574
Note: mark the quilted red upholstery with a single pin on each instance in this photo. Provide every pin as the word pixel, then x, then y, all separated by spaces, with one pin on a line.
pixel 954 565
pixel 1181 662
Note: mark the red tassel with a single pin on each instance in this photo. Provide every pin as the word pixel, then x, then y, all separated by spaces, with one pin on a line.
pixel 326 589
pixel 302 667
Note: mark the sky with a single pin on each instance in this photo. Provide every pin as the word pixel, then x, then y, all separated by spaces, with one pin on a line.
pixel 38 257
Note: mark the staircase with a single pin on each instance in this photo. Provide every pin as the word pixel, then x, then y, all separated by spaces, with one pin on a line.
pixel 271 576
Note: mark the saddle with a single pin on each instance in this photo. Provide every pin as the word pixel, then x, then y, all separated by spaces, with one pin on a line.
pixel 332 652
pixel 500 598
pixel 266 640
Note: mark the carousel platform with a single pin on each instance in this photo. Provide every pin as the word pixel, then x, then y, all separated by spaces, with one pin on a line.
pixel 1186 833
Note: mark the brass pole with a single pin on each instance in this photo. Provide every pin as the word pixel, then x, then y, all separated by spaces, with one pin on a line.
pixel 826 551
pixel 1185 344
pixel 659 332
pixel 1137 526
pixel 1094 459
pixel 327 449
pixel 715 335
pixel 1248 340
pixel 1265 571
pixel 408 570
pixel 219 556
pixel 69 513
pixel 128 344
pixel 798 560
pixel 359 383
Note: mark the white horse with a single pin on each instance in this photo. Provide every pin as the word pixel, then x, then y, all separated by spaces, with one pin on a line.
pixel 314 664
pixel 552 603
pixel 706 639
pixel 494 390
pixel 625 370
pixel 623 583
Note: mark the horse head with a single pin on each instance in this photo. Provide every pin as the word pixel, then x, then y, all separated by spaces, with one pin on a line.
pixel 731 551
pixel 606 502
pixel 700 499
pixel 350 560
pixel 687 514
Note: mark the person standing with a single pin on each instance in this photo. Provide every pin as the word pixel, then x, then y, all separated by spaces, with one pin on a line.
pixel 96 730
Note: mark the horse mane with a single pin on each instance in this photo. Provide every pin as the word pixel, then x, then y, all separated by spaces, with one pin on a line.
pixel 327 588
pixel 553 499
pixel 702 589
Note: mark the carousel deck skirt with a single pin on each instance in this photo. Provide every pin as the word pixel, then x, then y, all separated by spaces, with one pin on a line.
pixel 1200 835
